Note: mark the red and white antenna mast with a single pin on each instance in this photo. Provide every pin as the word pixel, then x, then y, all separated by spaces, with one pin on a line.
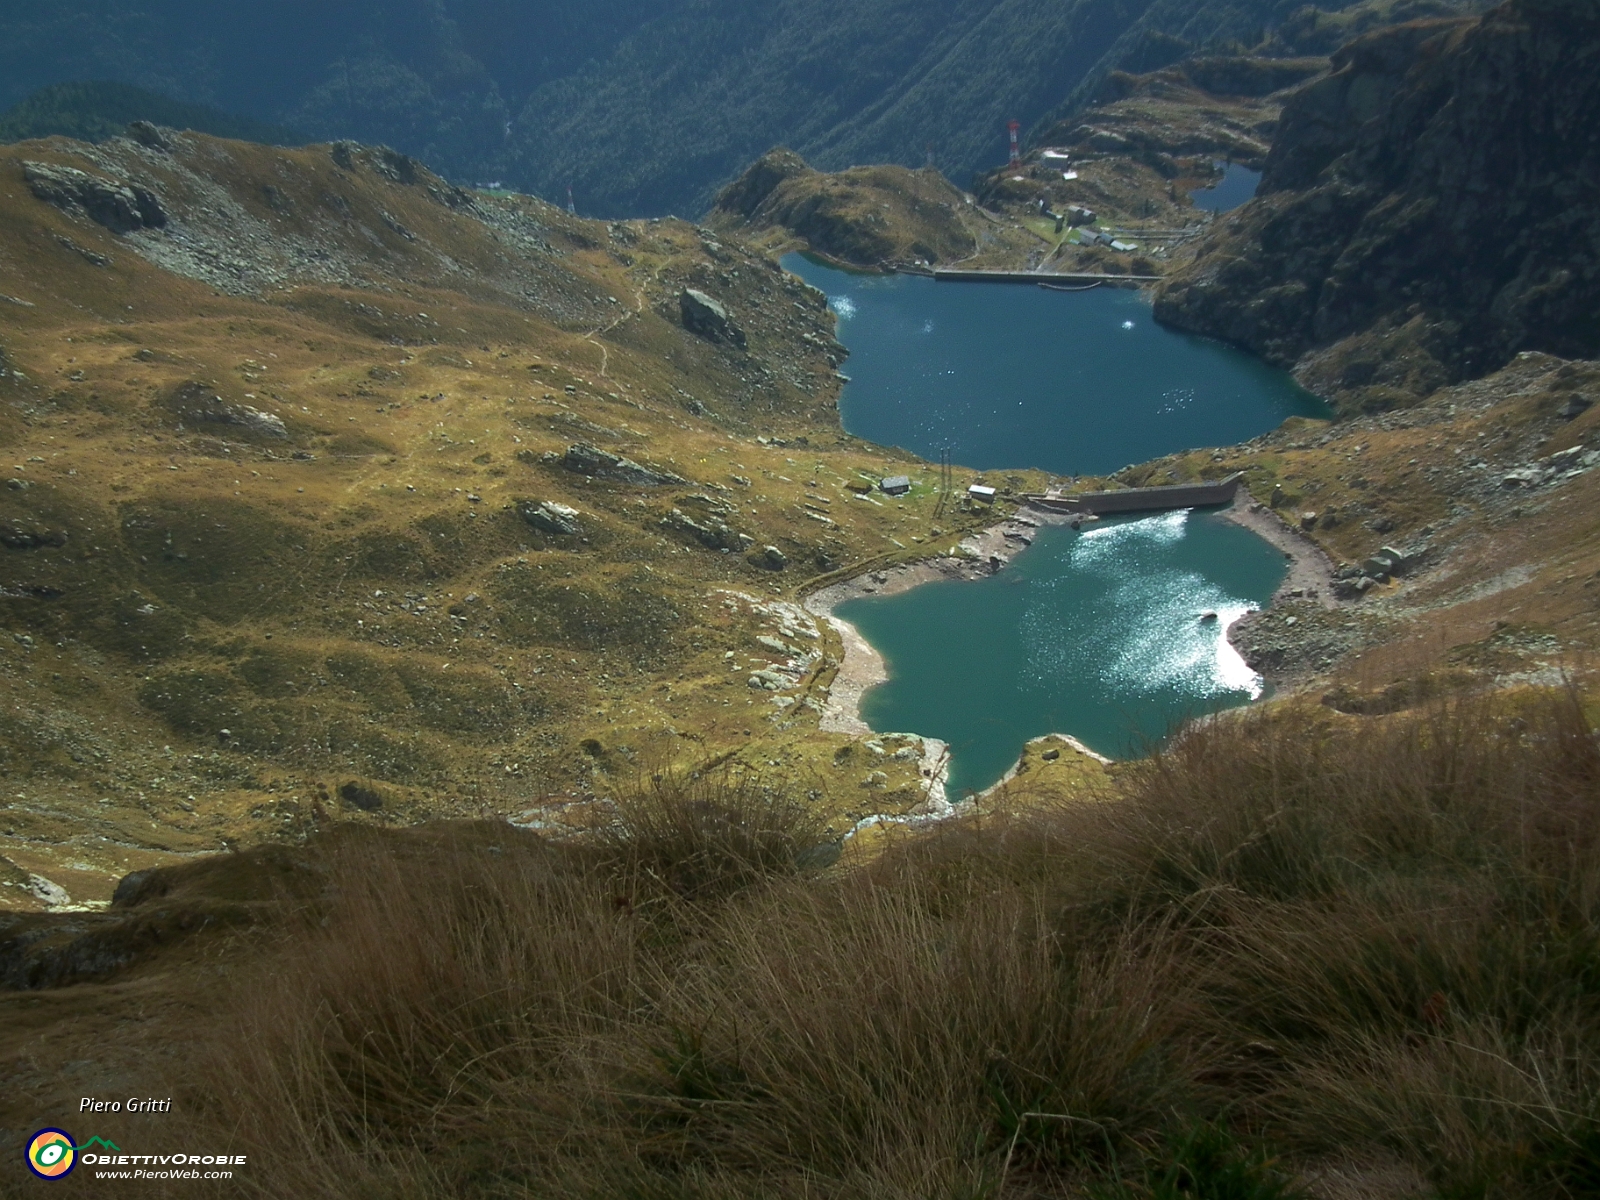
pixel 1014 128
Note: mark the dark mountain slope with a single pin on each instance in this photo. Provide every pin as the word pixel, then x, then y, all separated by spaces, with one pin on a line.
pixel 689 101
pixel 439 78
pixel 644 106
pixel 1427 210
pixel 93 112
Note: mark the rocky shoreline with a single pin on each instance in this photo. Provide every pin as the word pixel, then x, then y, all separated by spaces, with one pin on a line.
pixel 1311 571
pixel 860 666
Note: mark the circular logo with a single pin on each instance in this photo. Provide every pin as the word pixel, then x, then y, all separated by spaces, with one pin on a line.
pixel 51 1154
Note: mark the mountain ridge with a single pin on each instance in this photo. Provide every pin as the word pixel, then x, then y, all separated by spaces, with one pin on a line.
pixel 647 107
pixel 1418 221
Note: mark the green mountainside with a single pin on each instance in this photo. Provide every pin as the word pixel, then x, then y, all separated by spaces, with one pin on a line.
pixel 645 107
pixel 92 112
pixel 440 79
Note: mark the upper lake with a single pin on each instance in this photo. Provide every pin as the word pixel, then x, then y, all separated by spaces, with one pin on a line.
pixel 1008 375
pixel 1237 186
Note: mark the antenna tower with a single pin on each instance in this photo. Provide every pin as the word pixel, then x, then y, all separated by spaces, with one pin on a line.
pixel 1014 128
pixel 571 207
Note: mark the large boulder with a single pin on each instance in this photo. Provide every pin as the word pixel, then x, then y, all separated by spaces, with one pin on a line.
pixel 769 558
pixel 596 463
pixel 708 317
pixel 550 517
pixel 121 207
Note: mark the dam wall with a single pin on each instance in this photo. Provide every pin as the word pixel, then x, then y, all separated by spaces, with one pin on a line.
pixel 952 275
pixel 1150 499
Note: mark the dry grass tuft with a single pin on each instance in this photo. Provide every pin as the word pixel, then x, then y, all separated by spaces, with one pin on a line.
pixel 705 836
pixel 1293 940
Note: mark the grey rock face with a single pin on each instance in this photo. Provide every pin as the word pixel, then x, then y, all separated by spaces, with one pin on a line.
pixel 550 517
pixel 197 405
pixel 713 534
pixel 151 137
pixel 33 957
pixel 120 207
pixel 771 558
pixel 1422 215
pixel 708 317
pixel 602 464
pixel 48 892
pixel 26 537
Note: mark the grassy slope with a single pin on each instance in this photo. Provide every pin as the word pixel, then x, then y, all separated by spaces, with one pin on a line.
pixel 1298 951
pixel 361 600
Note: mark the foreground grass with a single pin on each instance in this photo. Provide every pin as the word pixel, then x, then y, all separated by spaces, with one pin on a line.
pixel 1295 953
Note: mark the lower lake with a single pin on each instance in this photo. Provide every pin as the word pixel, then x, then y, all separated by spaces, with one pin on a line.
pixel 1101 634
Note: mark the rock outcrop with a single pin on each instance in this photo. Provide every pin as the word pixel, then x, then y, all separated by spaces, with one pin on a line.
pixel 549 517
pixel 869 216
pixel 602 464
pixel 712 533
pixel 120 206
pixel 708 317
pixel 1426 211
pixel 195 404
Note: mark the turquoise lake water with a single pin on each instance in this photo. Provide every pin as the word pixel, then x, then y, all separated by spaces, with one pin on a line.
pixel 1237 185
pixel 1099 633
pixel 1011 375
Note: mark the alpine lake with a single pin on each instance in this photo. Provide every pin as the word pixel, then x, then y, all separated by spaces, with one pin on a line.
pixel 1115 633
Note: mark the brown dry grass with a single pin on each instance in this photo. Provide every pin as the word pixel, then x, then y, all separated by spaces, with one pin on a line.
pixel 1370 946
pixel 309 593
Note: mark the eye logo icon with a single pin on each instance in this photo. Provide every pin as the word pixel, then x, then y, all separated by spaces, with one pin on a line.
pixel 51 1154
